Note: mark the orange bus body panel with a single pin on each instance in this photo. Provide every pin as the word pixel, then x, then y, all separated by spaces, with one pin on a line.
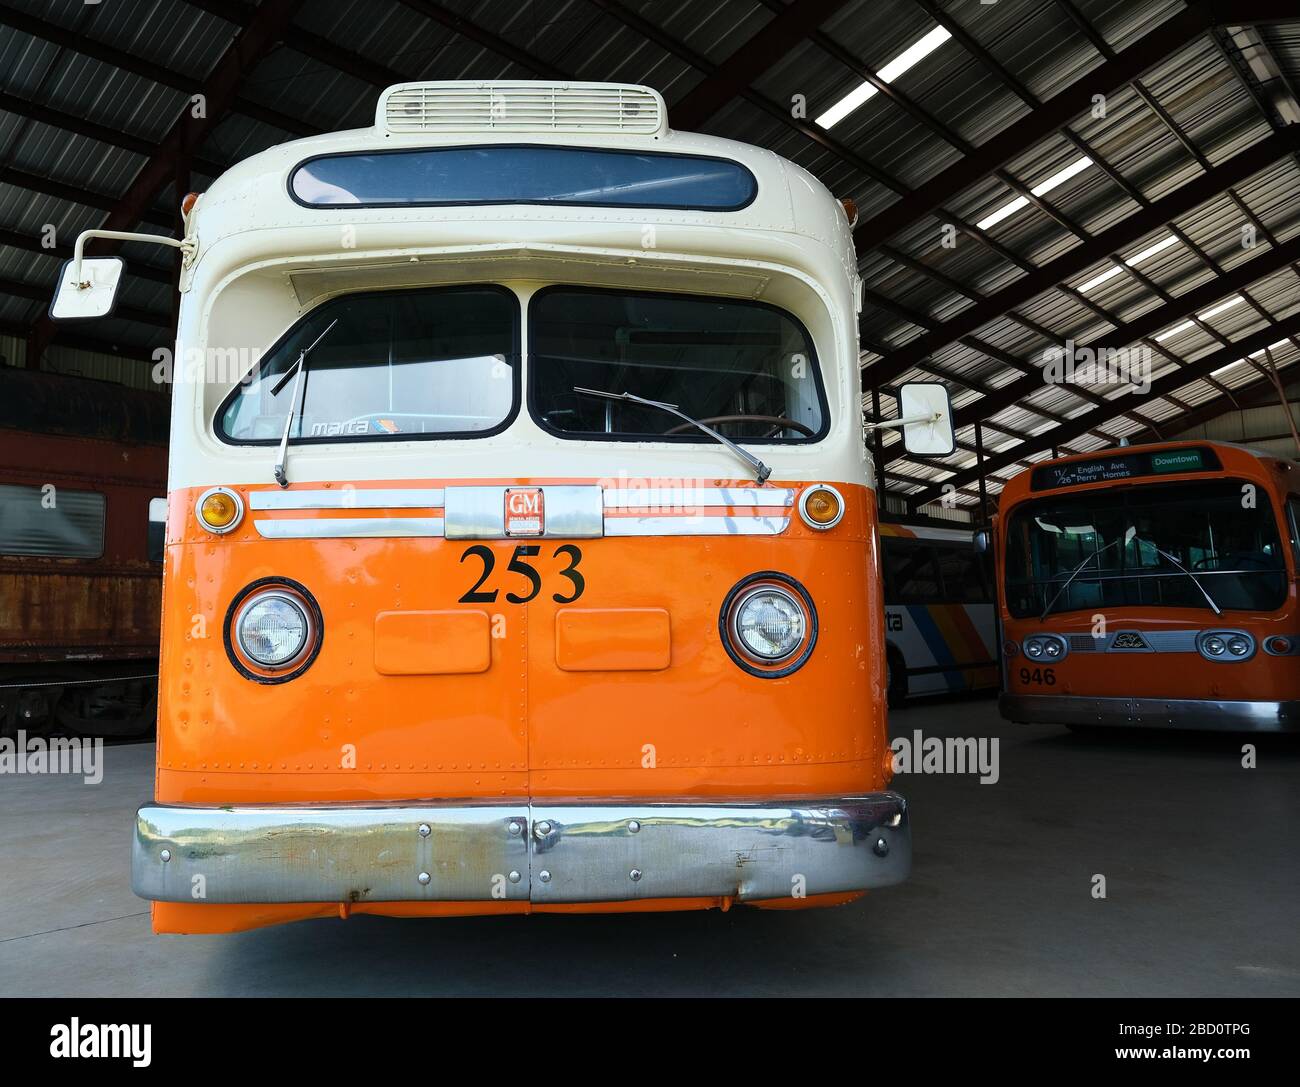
pixel 627 692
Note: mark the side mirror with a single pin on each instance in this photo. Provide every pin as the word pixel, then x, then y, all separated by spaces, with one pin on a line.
pixel 92 294
pixel 982 540
pixel 930 434
pixel 157 537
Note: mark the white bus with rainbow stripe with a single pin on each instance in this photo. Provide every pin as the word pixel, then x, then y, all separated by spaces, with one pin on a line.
pixel 940 625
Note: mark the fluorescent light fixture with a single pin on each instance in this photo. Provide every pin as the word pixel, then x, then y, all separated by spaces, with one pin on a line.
pixel 1132 262
pixel 1043 187
pixel 1253 354
pixel 909 57
pixel 1213 311
pixel 1002 212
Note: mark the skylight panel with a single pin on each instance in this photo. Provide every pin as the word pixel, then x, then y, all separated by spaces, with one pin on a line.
pixel 1041 189
pixel 908 58
pixel 1132 262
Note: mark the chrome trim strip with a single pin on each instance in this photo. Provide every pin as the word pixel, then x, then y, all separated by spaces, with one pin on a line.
pixel 569 512
pixel 474 513
pixel 1207 714
pixel 695 526
pixel 572 511
pixel 551 851
pixel 348 498
pixel 325 528
pixel 694 497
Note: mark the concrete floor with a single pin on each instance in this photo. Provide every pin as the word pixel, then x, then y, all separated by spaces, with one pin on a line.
pixel 1201 857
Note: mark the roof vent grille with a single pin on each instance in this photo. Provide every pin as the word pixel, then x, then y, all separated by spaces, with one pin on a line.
pixel 598 108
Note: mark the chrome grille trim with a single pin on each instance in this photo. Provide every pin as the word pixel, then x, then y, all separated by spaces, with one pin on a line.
pixel 695 526
pixel 309 528
pixel 694 497
pixel 348 498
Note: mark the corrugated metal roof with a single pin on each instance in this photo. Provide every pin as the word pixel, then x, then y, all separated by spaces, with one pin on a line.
pixel 134 63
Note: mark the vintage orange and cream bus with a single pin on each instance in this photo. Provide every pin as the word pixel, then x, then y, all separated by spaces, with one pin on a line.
pixel 1152 586
pixel 520 540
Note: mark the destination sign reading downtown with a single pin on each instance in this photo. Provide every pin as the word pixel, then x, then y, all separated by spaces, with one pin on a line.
pixel 1119 466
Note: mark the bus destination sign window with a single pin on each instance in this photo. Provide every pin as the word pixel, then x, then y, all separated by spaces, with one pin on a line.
pixel 1121 466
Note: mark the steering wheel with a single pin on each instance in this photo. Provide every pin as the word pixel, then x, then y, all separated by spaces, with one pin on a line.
pixel 780 423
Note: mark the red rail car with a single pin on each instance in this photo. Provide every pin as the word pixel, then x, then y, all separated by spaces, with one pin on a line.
pixel 80 595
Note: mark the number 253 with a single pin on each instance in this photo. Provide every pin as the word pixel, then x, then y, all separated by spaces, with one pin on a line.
pixel 519 565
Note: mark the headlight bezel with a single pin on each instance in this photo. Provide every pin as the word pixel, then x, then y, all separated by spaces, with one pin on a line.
pixel 1226 637
pixel 744 591
pixel 299 596
pixel 1040 642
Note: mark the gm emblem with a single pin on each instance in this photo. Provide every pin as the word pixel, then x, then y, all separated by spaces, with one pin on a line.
pixel 1128 639
pixel 525 515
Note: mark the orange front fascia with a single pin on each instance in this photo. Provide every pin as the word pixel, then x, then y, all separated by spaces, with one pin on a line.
pixel 625 691
pixel 1158 675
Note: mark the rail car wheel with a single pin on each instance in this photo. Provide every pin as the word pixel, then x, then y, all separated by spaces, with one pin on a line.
pixel 113 709
pixel 896 678
pixel 26 709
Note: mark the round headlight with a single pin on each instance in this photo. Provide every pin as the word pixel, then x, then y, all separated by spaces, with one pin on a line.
pixel 1214 645
pixel 1051 647
pixel 769 624
pixel 1238 646
pixel 273 629
pixel 1033 648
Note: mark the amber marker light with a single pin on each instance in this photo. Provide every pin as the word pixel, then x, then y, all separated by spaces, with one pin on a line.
pixel 821 506
pixel 220 510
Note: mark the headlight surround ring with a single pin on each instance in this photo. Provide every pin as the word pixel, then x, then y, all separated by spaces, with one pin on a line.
pixel 246 665
pixel 783 585
pixel 1233 645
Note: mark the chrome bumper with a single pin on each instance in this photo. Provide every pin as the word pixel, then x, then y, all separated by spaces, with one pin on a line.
pixel 1152 713
pixel 544 852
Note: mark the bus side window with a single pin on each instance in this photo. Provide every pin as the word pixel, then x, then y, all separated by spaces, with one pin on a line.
pixel 1293 507
pixel 959 568
pixel 913 573
pixel 157 533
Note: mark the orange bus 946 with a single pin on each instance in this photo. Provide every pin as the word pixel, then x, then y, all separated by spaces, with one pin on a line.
pixel 1152 586
pixel 521 534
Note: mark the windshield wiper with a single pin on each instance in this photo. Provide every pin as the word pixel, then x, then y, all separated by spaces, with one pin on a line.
pixel 761 471
pixel 1208 598
pixel 1128 537
pixel 301 366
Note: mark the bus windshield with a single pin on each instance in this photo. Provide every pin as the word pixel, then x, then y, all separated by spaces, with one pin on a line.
pixel 386 366
pixel 747 368
pixel 1222 534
